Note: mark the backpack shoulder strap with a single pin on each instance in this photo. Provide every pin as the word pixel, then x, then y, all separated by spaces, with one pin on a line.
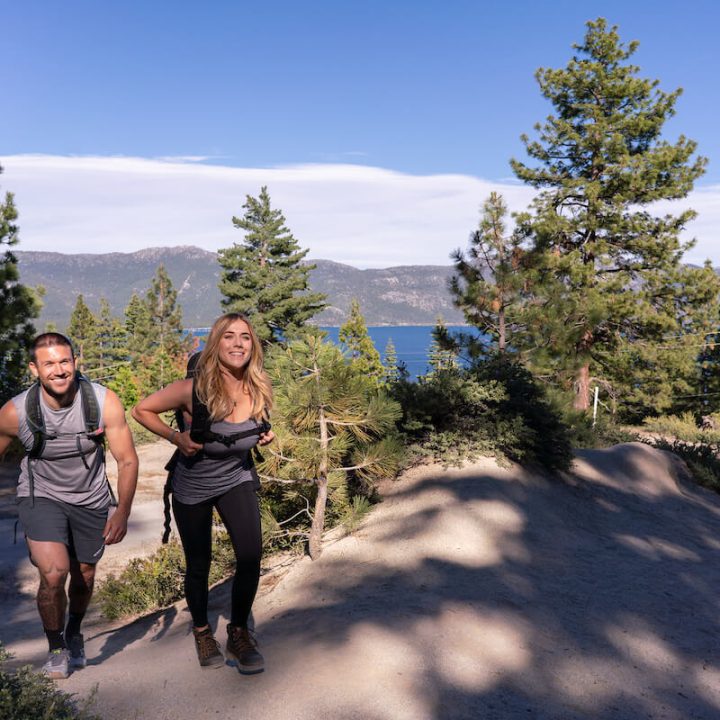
pixel 90 405
pixel 200 417
pixel 35 419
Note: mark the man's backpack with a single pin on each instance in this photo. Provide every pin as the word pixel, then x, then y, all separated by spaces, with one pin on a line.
pixel 91 419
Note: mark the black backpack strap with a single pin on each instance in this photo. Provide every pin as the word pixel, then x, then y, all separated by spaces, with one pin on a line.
pixel 90 406
pixel 167 490
pixel 35 420
pixel 201 421
pixel 36 424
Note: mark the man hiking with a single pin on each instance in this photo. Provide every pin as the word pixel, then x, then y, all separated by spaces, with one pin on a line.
pixel 65 503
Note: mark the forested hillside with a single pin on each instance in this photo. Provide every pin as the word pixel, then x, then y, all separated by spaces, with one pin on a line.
pixel 407 295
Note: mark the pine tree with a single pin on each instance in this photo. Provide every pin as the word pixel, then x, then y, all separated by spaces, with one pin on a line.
pixel 167 342
pixel 111 340
pixel 333 425
pixel 264 277
pixel 165 314
pixel 359 345
pixel 440 358
pixel 82 330
pixel 392 371
pixel 18 307
pixel 606 271
pixel 138 326
pixel 488 283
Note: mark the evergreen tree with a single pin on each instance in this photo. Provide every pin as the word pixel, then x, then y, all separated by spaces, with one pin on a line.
pixel 333 425
pixel 488 283
pixel 83 332
pixel 165 314
pixel 126 385
pixel 111 340
pixel 167 342
pixel 265 277
pixel 392 371
pixel 359 345
pixel 18 307
pixel 441 358
pixel 607 278
pixel 138 326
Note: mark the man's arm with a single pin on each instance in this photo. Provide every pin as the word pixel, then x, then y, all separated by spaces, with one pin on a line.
pixel 8 425
pixel 121 446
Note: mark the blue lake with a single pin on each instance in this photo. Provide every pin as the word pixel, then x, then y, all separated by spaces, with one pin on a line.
pixel 412 343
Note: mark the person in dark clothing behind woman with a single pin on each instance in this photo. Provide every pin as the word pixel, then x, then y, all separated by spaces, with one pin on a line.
pixel 231 383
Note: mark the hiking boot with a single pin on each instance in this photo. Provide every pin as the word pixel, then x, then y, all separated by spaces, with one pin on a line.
pixel 76 646
pixel 242 651
pixel 208 650
pixel 57 665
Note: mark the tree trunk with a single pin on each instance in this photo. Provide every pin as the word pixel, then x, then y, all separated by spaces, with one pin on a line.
pixel 582 388
pixel 501 334
pixel 318 521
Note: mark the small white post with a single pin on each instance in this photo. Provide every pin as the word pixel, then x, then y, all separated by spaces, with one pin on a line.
pixel 595 404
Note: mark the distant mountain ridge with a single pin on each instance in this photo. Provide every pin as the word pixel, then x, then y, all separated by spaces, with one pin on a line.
pixel 404 295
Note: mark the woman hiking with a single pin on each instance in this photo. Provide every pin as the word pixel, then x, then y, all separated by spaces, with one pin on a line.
pixel 215 470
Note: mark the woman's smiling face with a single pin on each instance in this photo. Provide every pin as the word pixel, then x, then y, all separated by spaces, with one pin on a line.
pixel 235 348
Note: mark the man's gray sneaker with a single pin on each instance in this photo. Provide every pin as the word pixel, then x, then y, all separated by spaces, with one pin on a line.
pixel 76 646
pixel 57 665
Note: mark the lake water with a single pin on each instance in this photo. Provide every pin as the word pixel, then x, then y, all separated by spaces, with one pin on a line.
pixel 412 343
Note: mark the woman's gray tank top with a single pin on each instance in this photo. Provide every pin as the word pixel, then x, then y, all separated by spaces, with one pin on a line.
pixel 219 468
pixel 66 479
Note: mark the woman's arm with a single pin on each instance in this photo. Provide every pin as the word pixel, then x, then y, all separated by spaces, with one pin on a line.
pixel 176 396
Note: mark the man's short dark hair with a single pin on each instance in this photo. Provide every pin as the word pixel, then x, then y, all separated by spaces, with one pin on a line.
pixel 49 339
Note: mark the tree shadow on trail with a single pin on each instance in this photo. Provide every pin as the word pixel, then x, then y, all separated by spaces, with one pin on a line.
pixel 118 639
pixel 584 600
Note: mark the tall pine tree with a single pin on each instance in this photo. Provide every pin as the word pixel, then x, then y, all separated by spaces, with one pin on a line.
pixel 359 345
pixel 488 282
pixel 111 341
pixel 167 342
pixel 138 326
pixel 393 372
pixel 83 331
pixel 608 280
pixel 264 277
pixel 18 306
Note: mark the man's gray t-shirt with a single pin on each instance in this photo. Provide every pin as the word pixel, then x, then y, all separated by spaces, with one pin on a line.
pixel 219 468
pixel 65 479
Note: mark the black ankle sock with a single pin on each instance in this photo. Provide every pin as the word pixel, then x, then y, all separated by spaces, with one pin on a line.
pixel 73 624
pixel 55 639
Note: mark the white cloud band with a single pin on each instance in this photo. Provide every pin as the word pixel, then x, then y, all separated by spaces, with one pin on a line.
pixel 363 216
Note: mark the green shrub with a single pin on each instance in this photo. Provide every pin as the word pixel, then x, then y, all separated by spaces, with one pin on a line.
pixel 155 582
pixel 493 407
pixel 682 427
pixel 702 459
pixel 28 695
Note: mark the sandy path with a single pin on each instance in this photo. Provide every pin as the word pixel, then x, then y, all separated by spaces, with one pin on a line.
pixel 479 593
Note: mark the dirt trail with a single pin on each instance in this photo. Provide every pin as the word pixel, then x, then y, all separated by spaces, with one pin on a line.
pixel 476 593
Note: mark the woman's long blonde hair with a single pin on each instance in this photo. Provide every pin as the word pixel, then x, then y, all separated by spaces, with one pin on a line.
pixel 209 382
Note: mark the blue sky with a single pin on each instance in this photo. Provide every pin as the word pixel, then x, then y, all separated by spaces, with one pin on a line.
pixel 417 89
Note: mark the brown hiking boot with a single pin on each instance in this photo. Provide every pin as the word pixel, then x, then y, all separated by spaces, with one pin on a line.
pixel 241 650
pixel 208 650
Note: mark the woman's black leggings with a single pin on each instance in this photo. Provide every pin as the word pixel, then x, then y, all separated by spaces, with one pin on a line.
pixel 239 510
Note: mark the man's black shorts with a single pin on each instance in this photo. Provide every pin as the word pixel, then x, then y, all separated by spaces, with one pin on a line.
pixel 80 528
